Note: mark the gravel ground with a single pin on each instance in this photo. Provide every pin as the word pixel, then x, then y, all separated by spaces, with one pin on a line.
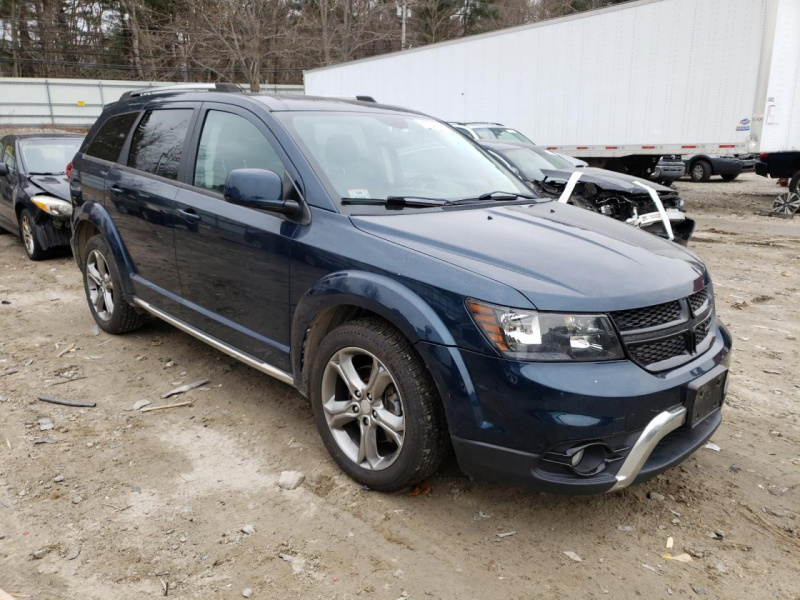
pixel 123 504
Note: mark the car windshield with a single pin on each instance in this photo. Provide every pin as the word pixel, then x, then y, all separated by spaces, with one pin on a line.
pixel 531 161
pixel 48 156
pixel 509 135
pixel 381 155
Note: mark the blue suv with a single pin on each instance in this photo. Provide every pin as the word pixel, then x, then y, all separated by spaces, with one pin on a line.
pixel 407 283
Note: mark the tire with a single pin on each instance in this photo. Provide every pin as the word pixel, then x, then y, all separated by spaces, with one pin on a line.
pixel 700 171
pixel 405 407
pixel 794 183
pixel 27 233
pixel 729 177
pixel 101 281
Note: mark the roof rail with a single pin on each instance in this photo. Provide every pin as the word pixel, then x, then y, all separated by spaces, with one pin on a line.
pixel 183 87
pixel 366 99
pixel 482 123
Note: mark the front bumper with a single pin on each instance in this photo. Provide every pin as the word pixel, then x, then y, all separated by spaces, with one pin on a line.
pixel 667 171
pixel 514 418
pixel 51 232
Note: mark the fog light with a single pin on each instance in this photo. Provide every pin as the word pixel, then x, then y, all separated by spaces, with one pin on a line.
pixel 577 458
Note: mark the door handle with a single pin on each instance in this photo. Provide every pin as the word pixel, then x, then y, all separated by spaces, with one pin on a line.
pixel 115 189
pixel 189 214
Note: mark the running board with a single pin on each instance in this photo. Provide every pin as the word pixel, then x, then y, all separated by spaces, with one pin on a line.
pixel 217 344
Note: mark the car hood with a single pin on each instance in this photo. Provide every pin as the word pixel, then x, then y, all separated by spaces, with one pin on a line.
pixel 607 180
pixel 55 185
pixel 560 257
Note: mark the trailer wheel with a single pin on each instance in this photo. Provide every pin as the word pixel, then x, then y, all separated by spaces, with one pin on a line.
pixel 700 171
pixel 794 184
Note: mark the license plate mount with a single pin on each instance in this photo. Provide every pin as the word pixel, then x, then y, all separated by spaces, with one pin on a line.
pixel 705 395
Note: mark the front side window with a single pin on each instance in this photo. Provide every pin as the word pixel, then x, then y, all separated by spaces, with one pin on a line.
pixel 48 157
pixel 157 144
pixel 8 158
pixel 510 135
pixel 231 142
pixel 108 142
pixel 378 155
pixel 484 133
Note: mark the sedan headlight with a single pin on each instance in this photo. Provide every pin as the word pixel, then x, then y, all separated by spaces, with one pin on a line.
pixel 53 206
pixel 543 336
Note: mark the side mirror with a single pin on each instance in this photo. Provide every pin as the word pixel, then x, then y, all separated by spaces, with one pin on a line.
pixel 260 189
pixel 3 169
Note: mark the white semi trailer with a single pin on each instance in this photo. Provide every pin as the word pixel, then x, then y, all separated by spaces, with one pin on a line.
pixel 618 87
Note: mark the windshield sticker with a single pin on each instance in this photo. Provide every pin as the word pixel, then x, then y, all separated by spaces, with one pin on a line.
pixel 358 193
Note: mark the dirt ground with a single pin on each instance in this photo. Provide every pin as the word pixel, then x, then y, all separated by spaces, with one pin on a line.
pixel 124 503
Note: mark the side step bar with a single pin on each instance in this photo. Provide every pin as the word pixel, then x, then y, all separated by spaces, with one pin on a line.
pixel 217 344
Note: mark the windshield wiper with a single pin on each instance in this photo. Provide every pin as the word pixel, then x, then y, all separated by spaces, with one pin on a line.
pixel 412 201
pixel 37 173
pixel 494 196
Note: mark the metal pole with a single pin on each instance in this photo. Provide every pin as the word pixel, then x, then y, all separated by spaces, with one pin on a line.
pixel 49 102
pixel 100 87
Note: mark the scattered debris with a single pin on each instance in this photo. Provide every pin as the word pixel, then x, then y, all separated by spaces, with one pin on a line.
pixel 670 543
pixel 185 388
pixel 95 330
pixel 70 348
pixel 714 447
pixel 739 305
pixel 697 589
pixel 58 478
pixel 40 554
pixel 721 568
pixel 139 404
pixel 685 558
pixel 70 380
pixel 45 424
pixel 290 480
pixel 8 372
pixel 178 405
pixel 656 496
pixel 506 534
pixel 423 488
pixel 249 529
pixel 573 556
pixel 73 553
pixel 650 568
pixel 626 528
pixel 772 371
pixel 247 592
pixel 761 299
pixel 53 400
pixel 45 441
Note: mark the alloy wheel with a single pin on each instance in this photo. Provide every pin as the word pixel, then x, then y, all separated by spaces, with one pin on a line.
pixel 363 408
pixel 100 285
pixel 698 171
pixel 27 234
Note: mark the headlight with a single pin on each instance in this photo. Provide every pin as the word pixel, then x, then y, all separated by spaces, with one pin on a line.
pixel 543 336
pixel 53 206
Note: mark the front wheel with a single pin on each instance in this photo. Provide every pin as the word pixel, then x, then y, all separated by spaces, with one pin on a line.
pixel 28 234
pixel 376 406
pixel 700 171
pixel 103 287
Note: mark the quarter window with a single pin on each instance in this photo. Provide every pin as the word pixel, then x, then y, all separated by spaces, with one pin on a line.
pixel 157 144
pixel 109 140
pixel 231 142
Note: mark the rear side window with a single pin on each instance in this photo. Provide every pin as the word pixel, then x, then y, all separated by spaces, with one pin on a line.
pixel 157 144
pixel 109 140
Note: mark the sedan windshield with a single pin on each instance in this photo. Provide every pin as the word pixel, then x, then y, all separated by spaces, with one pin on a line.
pixel 48 156
pixel 380 156
pixel 531 161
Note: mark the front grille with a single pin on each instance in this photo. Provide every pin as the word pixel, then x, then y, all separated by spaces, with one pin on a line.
pixel 651 316
pixel 667 335
pixel 661 350
pixel 697 300
pixel 701 331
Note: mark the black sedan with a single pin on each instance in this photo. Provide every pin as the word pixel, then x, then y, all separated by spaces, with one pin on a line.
pixel 617 195
pixel 34 189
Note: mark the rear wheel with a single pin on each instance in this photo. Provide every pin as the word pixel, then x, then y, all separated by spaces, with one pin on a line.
pixel 376 406
pixel 729 177
pixel 103 287
pixel 700 171
pixel 794 183
pixel 27 232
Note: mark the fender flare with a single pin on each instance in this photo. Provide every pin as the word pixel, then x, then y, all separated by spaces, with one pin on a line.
pixel 95 214
pixel 382 295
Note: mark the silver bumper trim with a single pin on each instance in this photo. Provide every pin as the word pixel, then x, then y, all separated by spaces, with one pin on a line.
pixel 656 430
pixel 218 344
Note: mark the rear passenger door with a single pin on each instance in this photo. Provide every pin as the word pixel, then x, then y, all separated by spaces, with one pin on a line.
pixel 142 193
pixel 234 261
